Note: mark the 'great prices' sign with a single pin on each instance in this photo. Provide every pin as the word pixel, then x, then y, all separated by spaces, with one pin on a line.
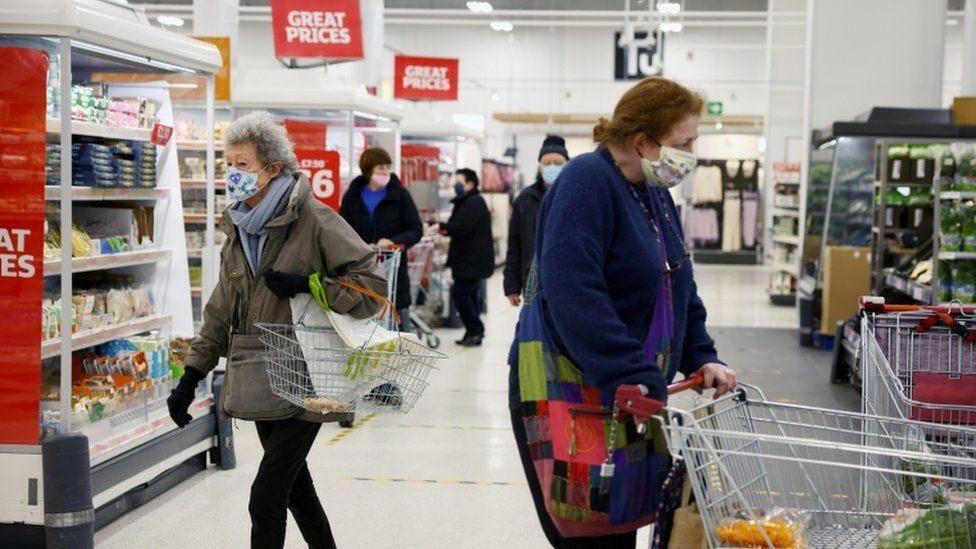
pixel 425 78
pixel 329 29
pixel 321 167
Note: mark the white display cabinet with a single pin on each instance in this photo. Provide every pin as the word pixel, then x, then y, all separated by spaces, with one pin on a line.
pixel 133 197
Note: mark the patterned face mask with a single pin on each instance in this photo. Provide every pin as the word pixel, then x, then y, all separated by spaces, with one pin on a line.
pixel 670 169
pixel 242 185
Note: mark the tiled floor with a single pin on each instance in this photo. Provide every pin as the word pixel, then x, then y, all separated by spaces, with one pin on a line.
pixel 447 475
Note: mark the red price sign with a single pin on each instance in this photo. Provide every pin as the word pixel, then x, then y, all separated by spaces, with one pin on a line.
pixel 329 29
pixel 321 167
pixel 425 78
pixel 161 134
pixel 306 135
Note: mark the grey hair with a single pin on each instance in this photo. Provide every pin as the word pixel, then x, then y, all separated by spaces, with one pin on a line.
pixel 268 136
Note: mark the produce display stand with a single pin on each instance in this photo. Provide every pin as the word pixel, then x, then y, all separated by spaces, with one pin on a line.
pixel 132 451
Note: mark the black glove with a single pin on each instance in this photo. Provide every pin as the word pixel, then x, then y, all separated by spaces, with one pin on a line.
pixel 286 285
pixel 182 396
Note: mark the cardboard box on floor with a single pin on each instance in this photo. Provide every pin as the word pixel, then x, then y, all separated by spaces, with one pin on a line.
pixel 847 277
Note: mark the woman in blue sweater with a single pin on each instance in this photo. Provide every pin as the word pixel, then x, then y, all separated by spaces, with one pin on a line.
pixel 611 301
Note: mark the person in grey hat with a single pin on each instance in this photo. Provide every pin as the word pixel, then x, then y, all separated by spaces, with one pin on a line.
pixel 525 213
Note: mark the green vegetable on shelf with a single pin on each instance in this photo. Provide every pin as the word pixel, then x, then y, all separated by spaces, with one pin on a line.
pixel 898 151
pixel 951 231
pixel 969 228
pixel 920 151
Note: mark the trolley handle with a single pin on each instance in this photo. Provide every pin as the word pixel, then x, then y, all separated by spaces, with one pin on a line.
pixel 632 400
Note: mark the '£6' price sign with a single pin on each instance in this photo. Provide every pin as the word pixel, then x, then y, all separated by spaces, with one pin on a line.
pixel 322 170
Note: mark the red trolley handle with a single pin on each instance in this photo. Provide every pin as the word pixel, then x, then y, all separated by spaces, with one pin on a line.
pixel 632 400
pixel 939 313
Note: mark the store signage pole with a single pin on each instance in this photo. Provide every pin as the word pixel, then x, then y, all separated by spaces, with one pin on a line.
pixel 209 255
pixel 66 233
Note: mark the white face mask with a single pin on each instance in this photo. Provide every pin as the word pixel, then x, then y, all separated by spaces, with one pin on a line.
pixel 381 180
pixel 670 169
pixel 550 173
pixel 242 185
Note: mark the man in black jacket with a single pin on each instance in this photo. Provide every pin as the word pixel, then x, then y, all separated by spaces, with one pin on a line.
pixel 382 212
pixel 471 255
pixel 525 216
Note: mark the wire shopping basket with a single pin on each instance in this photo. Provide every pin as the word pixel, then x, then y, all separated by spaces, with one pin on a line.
pixel 850 479
pixel 918 364
pixel 313 368
pixel 388 262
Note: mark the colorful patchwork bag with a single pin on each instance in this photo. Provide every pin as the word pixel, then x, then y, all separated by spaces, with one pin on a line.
pixel 571 435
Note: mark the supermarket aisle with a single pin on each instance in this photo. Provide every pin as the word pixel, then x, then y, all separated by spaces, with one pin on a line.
pixel 448 474
pixel 736 296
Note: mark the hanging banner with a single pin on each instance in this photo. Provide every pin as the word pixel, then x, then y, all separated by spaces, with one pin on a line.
pixel 327 29
pixel 306 135
pixel 22 135
pixel 638 60
pixel 425 78
pixel 321 167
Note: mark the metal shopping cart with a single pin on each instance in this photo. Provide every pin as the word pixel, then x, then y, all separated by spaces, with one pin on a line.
pixel 388 262
pixel 850 475
pixel 420 262
pixel 919 363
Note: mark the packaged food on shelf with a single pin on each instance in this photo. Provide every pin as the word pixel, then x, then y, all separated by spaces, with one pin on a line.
pixel 97 308
pixel 784 528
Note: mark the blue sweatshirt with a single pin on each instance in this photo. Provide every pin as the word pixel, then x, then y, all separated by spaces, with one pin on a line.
pixel 601 273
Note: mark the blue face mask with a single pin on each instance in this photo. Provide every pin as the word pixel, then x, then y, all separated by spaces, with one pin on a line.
pixel 551 172
pixel 458 189
pixel 242 185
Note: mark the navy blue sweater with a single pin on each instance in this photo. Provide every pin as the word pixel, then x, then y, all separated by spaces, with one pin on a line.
pixel 601 274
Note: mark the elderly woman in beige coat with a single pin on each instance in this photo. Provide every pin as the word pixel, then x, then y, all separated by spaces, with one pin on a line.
pixel 277 235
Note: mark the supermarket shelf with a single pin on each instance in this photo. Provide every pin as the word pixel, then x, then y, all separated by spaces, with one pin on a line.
pixel 108 261
pixel 907 286
pixel 202 183
pixel 194 252
pixel 190 217
pixel 790 268
pixel 928 184
pixel 949 256
pixel 99 130
pixel 53 192
pixel 785 212
pixel 792 240
pixel 957 195
pixel 90 338
pixel 197 146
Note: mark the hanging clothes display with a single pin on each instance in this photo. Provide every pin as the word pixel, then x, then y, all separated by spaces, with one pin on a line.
pixel 701 227
pixel 750 218
pixel 706 185
pixel 732 222
pixel 724 213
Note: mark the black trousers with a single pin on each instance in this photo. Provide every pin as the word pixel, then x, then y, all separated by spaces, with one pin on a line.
pixel 465 294
pixel 618 541
pixel 283 483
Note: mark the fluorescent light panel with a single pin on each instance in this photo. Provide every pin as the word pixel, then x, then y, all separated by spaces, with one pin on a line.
pixel 480 7
pixel 502 26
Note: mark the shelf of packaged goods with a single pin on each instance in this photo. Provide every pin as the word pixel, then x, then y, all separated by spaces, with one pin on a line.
pixel 97 336
pixel 784 212
pixel 121 432
pixel 196 292
pixel 192 183
pixel 789 268
pixel 918 291
pixel 957 195
pixel 53 192
pixel 792 240
pixel 194 253
pixel 786 182
pixel 108 261
pixel 106 131
pixel 928 184
pixel 950 256
pixel 197 146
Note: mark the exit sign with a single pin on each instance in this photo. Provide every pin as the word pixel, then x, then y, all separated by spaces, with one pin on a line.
pixel 714 108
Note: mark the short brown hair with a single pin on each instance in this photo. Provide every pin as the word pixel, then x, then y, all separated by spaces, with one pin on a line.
pixel 653 106
pixel 373 157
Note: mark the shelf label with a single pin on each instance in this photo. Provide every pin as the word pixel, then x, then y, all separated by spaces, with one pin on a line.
pixel 22 132
pixel 321 167
pixel 161 134
pixel 328 29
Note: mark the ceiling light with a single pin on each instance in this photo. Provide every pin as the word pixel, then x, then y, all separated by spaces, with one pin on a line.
pixel 719 125
pixel 495 96
pixel 502 26
pixel 480 7
pixel 668 26
pixel 669 8
pixel 170 20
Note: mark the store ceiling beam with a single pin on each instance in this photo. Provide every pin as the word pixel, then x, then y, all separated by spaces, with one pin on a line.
pixel 752 121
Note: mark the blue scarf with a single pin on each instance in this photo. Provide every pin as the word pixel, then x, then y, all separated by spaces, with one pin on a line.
pixel 250 222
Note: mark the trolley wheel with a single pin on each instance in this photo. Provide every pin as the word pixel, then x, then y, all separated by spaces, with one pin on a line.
pixel 346 424
pixel 433 341
pixel 347 419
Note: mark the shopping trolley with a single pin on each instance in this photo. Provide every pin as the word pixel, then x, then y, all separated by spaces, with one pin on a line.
pixel 388 263
pixel 420 263
pixel 312 368
pixel 844 476
pixel 919 363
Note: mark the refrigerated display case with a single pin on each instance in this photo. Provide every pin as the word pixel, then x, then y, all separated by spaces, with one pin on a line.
pixel 91 161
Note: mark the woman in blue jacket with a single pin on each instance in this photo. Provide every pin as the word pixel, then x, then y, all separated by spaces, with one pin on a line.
pixel 615 289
